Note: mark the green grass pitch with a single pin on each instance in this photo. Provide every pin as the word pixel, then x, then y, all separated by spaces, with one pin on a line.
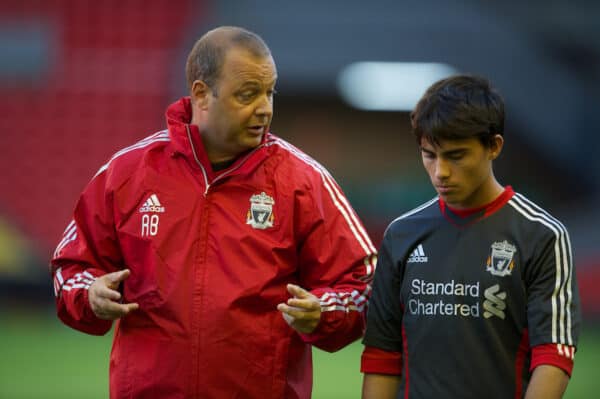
pixel 41 358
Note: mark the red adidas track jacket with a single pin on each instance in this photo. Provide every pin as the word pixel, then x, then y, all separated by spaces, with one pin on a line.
pixel 210 256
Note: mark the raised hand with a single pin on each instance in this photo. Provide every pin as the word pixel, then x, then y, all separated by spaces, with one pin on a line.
pixel 303 311
pixel 104 296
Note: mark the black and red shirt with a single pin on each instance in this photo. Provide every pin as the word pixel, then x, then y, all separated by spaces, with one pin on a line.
pixel 466 303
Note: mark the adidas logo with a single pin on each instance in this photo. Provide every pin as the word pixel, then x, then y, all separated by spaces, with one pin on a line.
pixel 417 256
pixel 152 204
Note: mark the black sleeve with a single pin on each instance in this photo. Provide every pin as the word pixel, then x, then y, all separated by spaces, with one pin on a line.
pixel 553 310
pixel 384 314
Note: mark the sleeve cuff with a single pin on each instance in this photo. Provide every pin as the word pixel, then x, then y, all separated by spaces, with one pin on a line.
pixel 378 361
pixel 556 355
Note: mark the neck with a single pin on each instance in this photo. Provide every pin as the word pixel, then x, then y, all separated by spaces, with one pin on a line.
pixel 485 194
pixel 216 157
pixel 213 153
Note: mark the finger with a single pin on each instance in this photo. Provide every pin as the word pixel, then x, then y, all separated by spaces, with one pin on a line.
pixel 308 304
pixel 300 320
pixel 101 306
pixel 288 319
pixel 99 292
pixel 297 291
pixel 116 278
pixel 131 307
pixel 112 310
pixel 122 309
pixel 284 308
pixel 104 292
pixel 297 313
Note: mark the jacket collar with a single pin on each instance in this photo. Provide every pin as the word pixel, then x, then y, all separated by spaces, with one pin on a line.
pixel 179 115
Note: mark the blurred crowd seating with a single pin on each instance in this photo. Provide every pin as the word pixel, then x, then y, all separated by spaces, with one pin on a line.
pixel 102 85
pixel 81 79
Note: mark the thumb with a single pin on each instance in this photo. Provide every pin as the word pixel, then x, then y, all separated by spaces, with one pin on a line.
pixel 297 291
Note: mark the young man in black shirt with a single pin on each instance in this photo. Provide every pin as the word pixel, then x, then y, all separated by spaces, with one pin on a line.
pixel 475 294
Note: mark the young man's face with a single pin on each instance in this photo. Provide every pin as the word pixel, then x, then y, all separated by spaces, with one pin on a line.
pixel 238 111
pixel 461 170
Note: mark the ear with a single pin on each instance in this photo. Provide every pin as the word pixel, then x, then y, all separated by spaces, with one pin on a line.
pixel 496 146
pixel 200 94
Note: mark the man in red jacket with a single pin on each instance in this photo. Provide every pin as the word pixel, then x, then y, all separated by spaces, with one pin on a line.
pixel 199 238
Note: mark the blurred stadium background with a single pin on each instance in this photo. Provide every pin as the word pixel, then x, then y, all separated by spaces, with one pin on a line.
pixel 81 79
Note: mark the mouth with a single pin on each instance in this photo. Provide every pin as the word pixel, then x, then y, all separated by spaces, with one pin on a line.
pixel 444 189
pixel 257 130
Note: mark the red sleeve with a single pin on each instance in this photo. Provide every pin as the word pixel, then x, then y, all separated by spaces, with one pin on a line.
pixel 337 261
pixel 557 355
pixel 378 361
pixel 72 303
pixel 86 251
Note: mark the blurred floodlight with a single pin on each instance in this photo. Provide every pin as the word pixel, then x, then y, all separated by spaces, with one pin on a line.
pixel 389 86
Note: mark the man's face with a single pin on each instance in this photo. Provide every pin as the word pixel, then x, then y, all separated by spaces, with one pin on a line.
pixel 461 171
pixel 239 109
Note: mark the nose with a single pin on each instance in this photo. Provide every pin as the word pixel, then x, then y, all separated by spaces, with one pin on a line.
pixel 265 105
pixel 442 169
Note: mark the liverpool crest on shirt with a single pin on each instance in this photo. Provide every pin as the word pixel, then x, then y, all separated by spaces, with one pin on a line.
pixel 500 262
pixel 260 215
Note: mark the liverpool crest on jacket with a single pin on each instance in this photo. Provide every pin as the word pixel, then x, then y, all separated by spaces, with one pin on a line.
pixel 500 262
pixel 260 215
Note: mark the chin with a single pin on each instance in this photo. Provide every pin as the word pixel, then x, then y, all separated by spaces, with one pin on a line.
pixel 451 200
pixel 252 142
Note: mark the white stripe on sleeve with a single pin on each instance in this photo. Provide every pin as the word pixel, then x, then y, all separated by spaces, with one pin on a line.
pixel 562 293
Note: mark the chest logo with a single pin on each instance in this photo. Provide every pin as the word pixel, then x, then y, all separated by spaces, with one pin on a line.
pixel 260 215
pixel 500 262
pixel 152 204
pixel 495 302
pixel 418 255
pixel 150 216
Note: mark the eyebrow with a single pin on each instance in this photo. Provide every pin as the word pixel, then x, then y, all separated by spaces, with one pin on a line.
pixel 250 83
pixel 454 151
pixel 256 83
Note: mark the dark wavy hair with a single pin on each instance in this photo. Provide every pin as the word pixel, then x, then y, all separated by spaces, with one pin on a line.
pixel 459 107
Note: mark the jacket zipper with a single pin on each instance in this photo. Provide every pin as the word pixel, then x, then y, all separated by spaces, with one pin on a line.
pixel 207 185
pixel 202 256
